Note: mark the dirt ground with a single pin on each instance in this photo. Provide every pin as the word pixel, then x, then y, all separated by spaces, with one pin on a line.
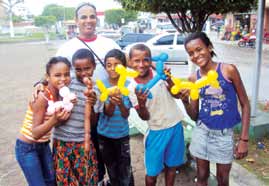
pixel 257 160
pixel 21 65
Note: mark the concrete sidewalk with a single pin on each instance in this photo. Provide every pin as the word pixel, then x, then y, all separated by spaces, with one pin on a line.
pixel 239 176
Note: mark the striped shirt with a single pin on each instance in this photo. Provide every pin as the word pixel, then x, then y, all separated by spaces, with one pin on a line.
pixel 116 126
pixel 27 125
pixel 72 130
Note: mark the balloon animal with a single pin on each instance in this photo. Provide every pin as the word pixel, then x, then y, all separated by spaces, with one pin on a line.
pixel 65 103
pixel 87 117
pixel 160 74
pixel 209 79
pixel 124 73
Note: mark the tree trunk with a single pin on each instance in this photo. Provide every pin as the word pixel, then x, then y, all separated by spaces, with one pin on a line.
pixel 11 28
pixel 47 34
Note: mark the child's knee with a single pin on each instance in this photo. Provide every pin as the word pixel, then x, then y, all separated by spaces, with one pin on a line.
pixel 151 180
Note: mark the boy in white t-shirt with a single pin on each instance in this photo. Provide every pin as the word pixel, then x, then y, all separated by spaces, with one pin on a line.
pixel 164 142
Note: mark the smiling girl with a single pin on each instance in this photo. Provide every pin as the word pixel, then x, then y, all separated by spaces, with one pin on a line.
pixel 217 113
pixel 32 146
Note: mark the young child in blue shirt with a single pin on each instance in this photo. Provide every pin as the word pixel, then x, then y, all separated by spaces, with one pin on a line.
pixel 113 128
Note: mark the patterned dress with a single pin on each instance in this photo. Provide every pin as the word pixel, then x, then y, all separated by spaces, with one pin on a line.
pixel 73 167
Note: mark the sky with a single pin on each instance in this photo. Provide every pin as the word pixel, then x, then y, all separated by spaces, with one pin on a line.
pixel 36 6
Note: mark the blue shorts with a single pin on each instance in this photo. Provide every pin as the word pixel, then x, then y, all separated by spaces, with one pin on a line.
pixel 213 145
pixel 164 148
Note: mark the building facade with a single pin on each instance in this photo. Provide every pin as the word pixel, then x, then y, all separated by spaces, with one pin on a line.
pixel 266 16
pixel 247 20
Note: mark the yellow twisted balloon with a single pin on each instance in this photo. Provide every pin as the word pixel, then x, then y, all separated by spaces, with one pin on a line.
pixel 209 79
pixel 124 73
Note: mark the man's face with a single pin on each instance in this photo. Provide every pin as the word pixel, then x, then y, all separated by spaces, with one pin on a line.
pixel 141 62
pixel 86 21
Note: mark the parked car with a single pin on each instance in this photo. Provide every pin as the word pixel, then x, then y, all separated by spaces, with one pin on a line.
pixel 125 29
pixel 165 28
pixel 113 34
pixel 170 43
pixel 133 38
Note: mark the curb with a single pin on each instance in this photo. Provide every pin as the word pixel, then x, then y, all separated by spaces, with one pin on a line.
pixel 239 176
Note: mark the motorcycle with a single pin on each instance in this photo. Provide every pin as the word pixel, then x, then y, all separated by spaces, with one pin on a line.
pixel 247 41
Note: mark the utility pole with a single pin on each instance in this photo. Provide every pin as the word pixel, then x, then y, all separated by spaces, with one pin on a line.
pixel 257 72
pixel 9 5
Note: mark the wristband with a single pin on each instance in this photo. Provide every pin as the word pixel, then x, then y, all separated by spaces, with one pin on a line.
pixel 244 140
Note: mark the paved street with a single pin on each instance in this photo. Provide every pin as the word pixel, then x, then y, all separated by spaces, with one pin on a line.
pixel 22 64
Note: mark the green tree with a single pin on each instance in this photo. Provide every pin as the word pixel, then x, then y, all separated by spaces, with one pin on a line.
pixel 60 12
pixel 9 5
pixel 44 21
pixel 192 14
pixel 69 13
pixel 17 19
pixel 114 16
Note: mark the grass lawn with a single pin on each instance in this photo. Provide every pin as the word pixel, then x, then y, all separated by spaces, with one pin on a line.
pixel 20 38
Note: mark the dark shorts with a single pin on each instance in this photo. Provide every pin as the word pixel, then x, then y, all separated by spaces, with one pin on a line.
pixel 116 156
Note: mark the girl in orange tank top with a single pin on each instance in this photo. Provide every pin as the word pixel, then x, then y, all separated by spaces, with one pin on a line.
pixel 32 146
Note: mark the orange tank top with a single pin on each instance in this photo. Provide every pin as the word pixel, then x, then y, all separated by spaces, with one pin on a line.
pixel 27 125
